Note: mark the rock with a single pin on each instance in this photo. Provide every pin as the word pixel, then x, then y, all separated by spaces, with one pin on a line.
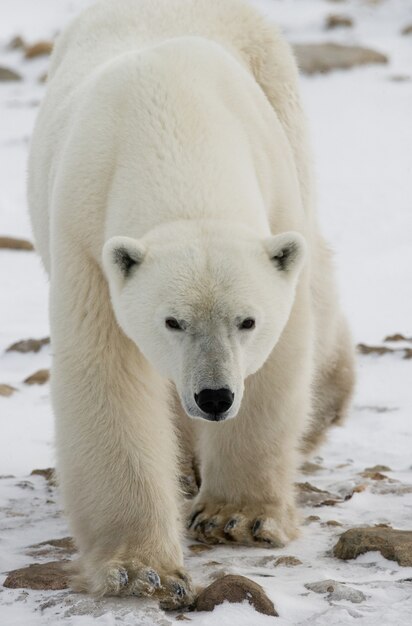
pixel 309 495
pixel 336 591
pixel 198 548
pixel 16 43
pixel 332 523
pixel 376 476
pixel 50 576
pixel 41 48
pixel 400 78
pixel 182 618
pixel 48 473
pixel 398 336
pixel 407 30
pixel 28 345
pixel 7 390
pixel 310 519
pixel 38 378
pixel 364 349
pixel 393 544
pixel 338 21
pixel 12 243
pixel 235 588
pixel 378 468
pixel 273 561
pixel 325 57
pixel 7 75
pixel 53 547
pixel 310 468
pixel 287 561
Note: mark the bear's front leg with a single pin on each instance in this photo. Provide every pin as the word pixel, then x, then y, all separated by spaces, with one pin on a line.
pixel 248 464
pixel 116 448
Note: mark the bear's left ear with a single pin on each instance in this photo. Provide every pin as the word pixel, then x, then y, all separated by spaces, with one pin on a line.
pixel 287 252
pixel 121 255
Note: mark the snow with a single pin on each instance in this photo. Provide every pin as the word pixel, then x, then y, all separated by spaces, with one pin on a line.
pixel 362 139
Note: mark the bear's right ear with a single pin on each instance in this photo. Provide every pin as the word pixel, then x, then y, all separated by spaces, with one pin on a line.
pixel 121 255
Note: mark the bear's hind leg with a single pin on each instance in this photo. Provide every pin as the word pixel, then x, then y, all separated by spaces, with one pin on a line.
pixel 332 390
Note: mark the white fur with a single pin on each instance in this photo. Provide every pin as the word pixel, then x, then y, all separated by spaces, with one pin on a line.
pixel 172 133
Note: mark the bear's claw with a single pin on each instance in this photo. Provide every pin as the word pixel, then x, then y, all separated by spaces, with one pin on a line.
pixel 256 525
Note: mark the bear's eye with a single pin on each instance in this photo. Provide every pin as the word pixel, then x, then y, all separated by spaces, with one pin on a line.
pixel 172 323
pixel 247 324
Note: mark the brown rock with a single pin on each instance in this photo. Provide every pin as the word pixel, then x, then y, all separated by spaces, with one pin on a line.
pixel 182 618
pixel 310 468
pixel 7 75
pixel 51 575
pixel 325 57
pixel 310 519
pixel 393 544
pixel 28 345
pixel 338 21
pixel 41 48
pixel 397 337
pixel 364 349
pixel 38 378
pixel 16 43
pixel 332 522
pixel 48 473
pixel 7 390
pixel 407 30
pixel 287 561
pixel 309 495
pixel 12 243
pixel 375 475
pixel 53 547
pixel 235 588
pixel 378 468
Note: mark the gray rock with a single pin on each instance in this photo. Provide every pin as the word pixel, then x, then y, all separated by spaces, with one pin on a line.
pixel 337 591
pixel 325 57
pixel 7 75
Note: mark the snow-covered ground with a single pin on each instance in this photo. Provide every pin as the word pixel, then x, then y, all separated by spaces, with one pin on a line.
pixel 362 136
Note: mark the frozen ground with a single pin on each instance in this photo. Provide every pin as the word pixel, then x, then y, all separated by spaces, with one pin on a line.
pixel 362 136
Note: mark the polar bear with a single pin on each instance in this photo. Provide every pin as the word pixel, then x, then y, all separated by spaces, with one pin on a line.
pixel 171 198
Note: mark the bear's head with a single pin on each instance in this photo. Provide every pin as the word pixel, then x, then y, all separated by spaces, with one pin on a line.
pixel 205 305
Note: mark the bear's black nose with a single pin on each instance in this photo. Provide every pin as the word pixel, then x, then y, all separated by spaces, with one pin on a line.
pixel 214 402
